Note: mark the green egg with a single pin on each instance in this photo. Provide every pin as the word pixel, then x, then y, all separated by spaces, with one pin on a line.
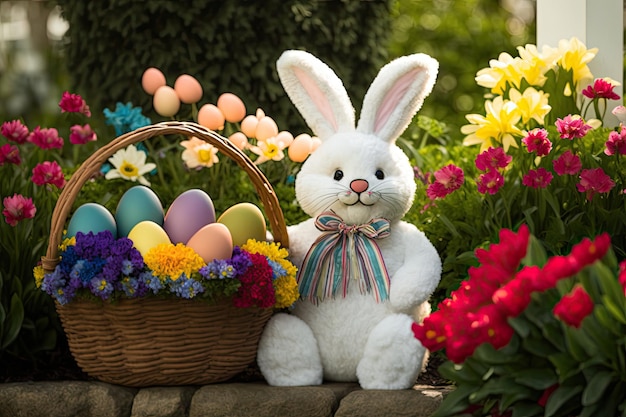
pixel 91 217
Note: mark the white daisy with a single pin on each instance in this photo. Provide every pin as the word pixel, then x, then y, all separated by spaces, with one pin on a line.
pixel 269 149
pixel 130 164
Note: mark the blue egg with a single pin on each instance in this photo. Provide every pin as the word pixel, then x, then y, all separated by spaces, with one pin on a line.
pixel 138 204
pixel 91 217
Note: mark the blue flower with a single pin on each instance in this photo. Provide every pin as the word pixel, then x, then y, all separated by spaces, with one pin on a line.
pixel 186 287
pixel 125 118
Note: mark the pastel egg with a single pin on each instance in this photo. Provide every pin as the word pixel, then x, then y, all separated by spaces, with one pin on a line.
pixel 188 89
pixel 232 107
pixel 248 125
pixel 300 148
pixel 91 217
pixel 152 79
pixel 187 214
pixel 137 204
pixel 211 242
pixel 165 101
pixel 245 221
pixel 266 128
pixel 239 140
pixel 211 117
pixel 146 235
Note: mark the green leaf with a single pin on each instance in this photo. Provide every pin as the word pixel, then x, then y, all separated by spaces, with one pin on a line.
pixel 15 319
pixel 520 326
pixel 536 378
pixel 561 397
pixel 460 373
pixel 455 402
pixel 596 387
pixel 526 408
pixel 565 365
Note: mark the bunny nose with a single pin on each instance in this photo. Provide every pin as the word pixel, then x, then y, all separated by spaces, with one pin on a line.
pixel 358 186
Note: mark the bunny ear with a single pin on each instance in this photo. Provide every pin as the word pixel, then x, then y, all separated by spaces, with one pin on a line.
pixel 317 93
pixel 397 93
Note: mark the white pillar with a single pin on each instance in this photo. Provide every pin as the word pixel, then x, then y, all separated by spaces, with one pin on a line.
pixel 596 23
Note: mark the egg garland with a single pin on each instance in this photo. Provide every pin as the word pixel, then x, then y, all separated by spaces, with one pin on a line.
pixel 190 220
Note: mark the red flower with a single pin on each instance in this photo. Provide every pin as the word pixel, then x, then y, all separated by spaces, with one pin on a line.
pixel 9 154
pixel 537 141
pixel 48 173
pixel 512 298
pixel 82 134
pixel 587 251
pixel 574 307
pixel 546 395
pixel 73 103
pixel 14 131
pixel 537 178
pixel 490 182
pixel 492 158
pixel 572 127
pixel 567 164
pixel 46 138
pixel 256 287
pixel 616 143
pixel 622 275
pixel 447 180
pixel 594 181
pixel 18 208
pixel 601 89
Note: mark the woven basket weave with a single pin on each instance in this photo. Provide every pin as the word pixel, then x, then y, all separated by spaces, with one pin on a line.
pixel 154 341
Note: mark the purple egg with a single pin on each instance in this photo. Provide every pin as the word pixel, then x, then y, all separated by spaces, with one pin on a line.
pixel 187 214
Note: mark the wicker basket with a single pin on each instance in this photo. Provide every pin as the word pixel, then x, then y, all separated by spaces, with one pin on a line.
pixel 153 341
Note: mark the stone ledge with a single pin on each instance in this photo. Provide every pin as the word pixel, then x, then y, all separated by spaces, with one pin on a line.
pixel 98 399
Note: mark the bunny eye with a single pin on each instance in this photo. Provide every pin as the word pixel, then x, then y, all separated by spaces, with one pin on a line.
pixel 338 175
pixel 380 174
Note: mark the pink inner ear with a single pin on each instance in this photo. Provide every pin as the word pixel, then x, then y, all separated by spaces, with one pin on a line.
pixel 317 96
pixel 395 94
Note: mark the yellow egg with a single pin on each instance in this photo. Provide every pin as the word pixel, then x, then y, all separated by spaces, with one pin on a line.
pixel 248 125
pixel 152 79
pixel 300 148
pixel 266 128
pixel 165 101
pixel 211 117
pixel 212 242
pixel 245 221
pixel 188 89
pixel 146 235
pixel 232 106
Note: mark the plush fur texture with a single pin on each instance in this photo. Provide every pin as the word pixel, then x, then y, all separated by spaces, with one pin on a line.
pixel 355 338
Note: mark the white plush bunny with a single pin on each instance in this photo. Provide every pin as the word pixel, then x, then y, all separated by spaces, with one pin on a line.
pixel 364 274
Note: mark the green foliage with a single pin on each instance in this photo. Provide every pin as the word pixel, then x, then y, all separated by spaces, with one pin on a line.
pixel 462 36
pixel 229 46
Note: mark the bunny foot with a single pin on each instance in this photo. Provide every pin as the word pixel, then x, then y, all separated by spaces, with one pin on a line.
pixel 393 357
pixel 288 353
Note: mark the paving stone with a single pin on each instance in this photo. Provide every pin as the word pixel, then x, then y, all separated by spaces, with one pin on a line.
pixel 65 398
pixel 163 402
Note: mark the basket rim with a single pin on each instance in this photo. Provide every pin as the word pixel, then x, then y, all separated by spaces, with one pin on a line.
pixel 93 163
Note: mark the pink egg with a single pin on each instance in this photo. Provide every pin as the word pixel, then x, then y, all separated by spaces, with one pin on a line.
pixel 248 125
pixel 188 213
pixel 284 138
pixel 316 142
pixel 266 128
pixel 188 89
pixel 212 242
pixel 232 107
pixel 211 117
pixel 300 148
pixel 239 140
pixel 166 101
pixel 152 79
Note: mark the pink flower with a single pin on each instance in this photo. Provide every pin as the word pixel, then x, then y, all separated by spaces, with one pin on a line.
pixel 79 135
pixel 73 103
pixel 490 182
pixel 567 164
pixel 9 154
pixel 14 131
pixel 571 127
pixel 601 89
pixel 620 113
pixel 537 141
pixel 46 138
pixel 447 180
pixel 492 158
pixel 537 178
pixel 616 143
pixel 594 181
pixel 574 307
pixel 48 173
pixel 18 208
pixel 622 275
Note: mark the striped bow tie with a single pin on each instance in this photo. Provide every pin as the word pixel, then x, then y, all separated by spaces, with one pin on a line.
pixel 343 252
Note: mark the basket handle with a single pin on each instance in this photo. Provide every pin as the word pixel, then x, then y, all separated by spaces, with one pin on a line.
pixel 91 166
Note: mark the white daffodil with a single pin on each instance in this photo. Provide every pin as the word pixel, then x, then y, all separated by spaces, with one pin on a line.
pixel 130 164
pixel 199 153
pixel 269 149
